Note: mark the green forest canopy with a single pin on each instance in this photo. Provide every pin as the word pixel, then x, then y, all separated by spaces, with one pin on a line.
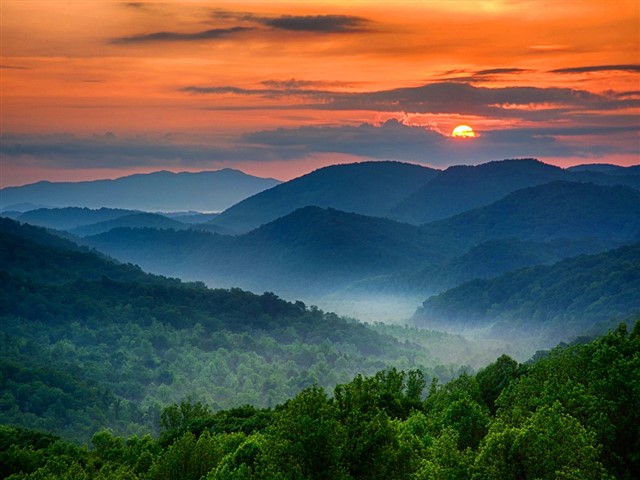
pixel 572 414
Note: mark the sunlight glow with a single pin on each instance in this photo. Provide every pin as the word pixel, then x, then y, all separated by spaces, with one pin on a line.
pixel 463 131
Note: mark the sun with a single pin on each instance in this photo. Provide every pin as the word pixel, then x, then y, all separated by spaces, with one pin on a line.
pixel 463 131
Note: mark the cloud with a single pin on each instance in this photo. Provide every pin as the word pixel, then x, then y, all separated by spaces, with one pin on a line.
pixel 530 103
pixel 109 150
pixel 599 68
pixel 212 34
pixel 323 24
pixel 13 67
pixel 391 140
pixel 317 23
pixel 304 84
pixel 499 71
pixel 394 140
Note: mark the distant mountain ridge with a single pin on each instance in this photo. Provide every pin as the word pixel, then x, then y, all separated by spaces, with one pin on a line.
pixel 69 218
pixel 320 250
pixel 549 211
pixel 158 191
pixel 461 188
pixel 366 188
pixel 309 249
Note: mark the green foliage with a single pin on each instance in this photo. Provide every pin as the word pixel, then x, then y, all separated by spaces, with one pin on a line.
pixel 549 444
pixel 571 415
pixel 564 299
pixel 82 350
pixel 99 355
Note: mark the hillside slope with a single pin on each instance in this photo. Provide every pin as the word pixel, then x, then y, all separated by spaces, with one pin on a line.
pixel 550 211
pixel 461 188
pixel 311 249
pixel 87 343
pixel 570 297
pixel 316 251
pixel 368 188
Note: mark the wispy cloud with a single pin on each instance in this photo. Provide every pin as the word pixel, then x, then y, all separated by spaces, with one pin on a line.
pixel 389 140
pixel 212 34
pixel 394 140
pixel 500 71
pixel 304 84
pixel 13 67
pixel 317 23
pixel 599 68
pixel 441 97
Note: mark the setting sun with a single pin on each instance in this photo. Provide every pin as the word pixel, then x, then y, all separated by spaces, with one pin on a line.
pixel 463 131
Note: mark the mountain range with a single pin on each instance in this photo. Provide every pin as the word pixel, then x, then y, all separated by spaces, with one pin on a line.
pixel 409 193
pixel 334 233
pixel 367 188
pixel 159 191
pixel 88 343
pixel 315 251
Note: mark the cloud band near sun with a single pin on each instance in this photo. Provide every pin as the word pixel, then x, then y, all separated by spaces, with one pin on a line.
pixel 531 103
pixel 390 140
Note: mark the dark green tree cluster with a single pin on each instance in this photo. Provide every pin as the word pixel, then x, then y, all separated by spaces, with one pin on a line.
pixel 572 414
pixel 88 343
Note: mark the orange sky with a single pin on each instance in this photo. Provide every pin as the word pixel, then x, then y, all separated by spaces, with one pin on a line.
pixel 93 89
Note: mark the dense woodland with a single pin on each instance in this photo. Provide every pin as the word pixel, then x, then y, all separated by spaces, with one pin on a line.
pixel 570 414
pixel 108 372
pixel 88 343
pixel 576 294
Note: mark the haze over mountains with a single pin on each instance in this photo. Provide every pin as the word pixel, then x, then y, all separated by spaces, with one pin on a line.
pixel 409 193
pixel 159 191
pixel 332 237
pixel 572 296
pixel 107 344
pixel 368 188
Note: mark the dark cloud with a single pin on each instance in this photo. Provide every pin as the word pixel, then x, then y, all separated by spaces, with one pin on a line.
pixel 317 23
pixel 500 71
pixel 293 23
pixel 530 103
pixel 212 34
pixel 390 140
pixel 13 67
pixel 299 23
pixel 394 140
pixel 109 150
pixel 599 68
pixel 629 94
pixel 262 92
pixel 465 76
pixel 303 84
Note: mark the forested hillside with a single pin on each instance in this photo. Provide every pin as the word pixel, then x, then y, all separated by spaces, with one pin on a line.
pixel 552 211
pixel 571 414
pixel 314 251
pixel 367 188
pixel 87 343
pixel 567 298
pixel 309 250
pixel 464 187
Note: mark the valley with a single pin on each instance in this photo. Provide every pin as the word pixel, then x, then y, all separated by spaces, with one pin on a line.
pixel 343 292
